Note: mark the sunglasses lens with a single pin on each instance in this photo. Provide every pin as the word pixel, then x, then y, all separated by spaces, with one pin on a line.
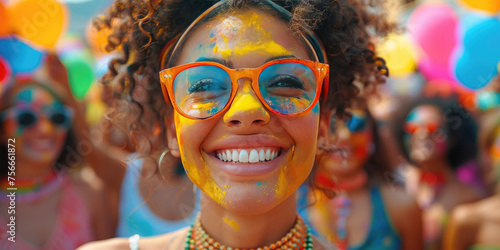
pixel 288 88
pixel 59 119
pixel 202 91
pixel 410 128
pixel 26 119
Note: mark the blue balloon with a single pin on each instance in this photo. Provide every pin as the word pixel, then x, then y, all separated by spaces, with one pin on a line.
pixel 22 58
pixel 477 64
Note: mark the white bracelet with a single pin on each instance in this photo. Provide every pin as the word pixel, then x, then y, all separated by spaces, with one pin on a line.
pixel 133 242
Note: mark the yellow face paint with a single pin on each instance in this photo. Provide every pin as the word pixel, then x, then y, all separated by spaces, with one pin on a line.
pixel 241 25
pixel 232 223
pixel 198 173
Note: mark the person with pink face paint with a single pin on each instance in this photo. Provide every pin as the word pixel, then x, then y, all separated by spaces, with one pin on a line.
pixel 241 86
pixel 54 209
pixel 437 136
pixel 365 212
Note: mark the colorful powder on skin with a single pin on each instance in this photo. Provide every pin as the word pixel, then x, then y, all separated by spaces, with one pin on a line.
pixel 259 183
pixel 235 27
pixel 232 223
pixel 200 175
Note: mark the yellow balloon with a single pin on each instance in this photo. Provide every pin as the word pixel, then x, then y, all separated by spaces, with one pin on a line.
pixel 399 54
pixel 490 6
pixel 4 20
pixel 39 21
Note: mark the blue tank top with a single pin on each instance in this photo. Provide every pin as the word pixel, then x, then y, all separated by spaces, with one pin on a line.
pixel 382 234
pixel 135 215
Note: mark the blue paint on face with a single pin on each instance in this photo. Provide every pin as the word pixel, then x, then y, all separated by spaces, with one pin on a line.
pixel 259 183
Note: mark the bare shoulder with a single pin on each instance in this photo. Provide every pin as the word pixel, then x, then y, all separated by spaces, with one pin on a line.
pixel 319 244
pixel 397 201
pixel 402 209
pixel 86 182
pixel 468 215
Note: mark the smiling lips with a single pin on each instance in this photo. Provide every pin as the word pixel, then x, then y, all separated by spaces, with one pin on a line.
pixel 248 155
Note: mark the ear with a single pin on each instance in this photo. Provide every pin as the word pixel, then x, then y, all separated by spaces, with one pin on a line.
pixel 173 144
pixel 324 129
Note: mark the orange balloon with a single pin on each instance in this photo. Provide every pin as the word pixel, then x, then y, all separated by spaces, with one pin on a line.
pixel 4 20
pixel 39 21
pixel 489 6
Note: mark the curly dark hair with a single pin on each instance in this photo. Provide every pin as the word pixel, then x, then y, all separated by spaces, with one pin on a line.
pixel 142 28
pixel 460 124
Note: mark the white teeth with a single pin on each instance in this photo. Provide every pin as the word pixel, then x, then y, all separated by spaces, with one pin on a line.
pixel 254 156
pixel 243 156
pixel 262 155
pixel 235 155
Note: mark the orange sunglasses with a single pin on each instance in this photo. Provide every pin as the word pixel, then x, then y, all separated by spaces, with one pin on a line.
pixel 206 104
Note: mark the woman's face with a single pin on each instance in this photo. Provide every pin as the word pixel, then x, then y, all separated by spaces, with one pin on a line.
pixel 354 137
pixel 30 121
pixel 246 39
pixel 425 134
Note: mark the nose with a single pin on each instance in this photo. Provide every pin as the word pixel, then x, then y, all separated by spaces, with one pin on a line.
pixel 246 109
pixel 342 132
pixel 421 132
pixel 45 126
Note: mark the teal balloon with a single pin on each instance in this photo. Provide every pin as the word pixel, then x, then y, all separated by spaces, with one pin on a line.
pixel 477 57
pixel 80 72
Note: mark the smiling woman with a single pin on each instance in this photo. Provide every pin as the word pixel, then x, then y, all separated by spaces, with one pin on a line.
pixel 244 84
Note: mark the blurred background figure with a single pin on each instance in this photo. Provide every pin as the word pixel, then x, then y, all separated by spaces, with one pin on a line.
pixel 366 212
pixel 437 136
pixel 476 225
pixel 56 208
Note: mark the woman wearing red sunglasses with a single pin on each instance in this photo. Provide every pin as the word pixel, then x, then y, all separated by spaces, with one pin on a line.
pixel 438 136
pixel 244 84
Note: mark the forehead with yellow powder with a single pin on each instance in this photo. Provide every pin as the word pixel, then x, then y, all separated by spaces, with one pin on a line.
pixel 253 34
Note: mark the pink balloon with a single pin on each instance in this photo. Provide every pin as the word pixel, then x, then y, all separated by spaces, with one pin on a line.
pixel 434 71
pixel 433 27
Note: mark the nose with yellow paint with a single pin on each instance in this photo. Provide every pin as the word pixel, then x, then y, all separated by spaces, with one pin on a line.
pixel 246 108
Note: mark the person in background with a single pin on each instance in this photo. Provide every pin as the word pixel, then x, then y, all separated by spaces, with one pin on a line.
pixel 367 212
pixel 56 207
pixel 437 136
pixel 476 226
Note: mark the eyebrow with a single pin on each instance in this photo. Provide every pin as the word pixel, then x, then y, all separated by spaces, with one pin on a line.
pixel 281 57
pixel 217 60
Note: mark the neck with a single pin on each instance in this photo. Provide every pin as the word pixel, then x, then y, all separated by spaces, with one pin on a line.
pixel 353 181
pixel 247 231
pixel 26 170
pixel 437 165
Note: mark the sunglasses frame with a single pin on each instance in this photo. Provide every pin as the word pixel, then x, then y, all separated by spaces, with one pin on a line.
pixel 167 78
pixel 68 111
pixel 427 128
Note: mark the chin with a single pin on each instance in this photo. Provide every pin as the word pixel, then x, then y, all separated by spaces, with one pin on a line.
pixel 251 201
